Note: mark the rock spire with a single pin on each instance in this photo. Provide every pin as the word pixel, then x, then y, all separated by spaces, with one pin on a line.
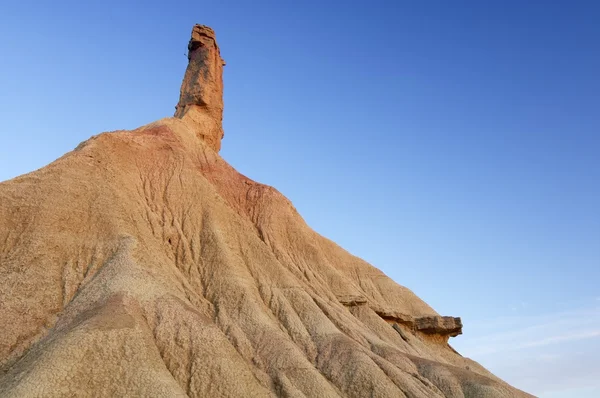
pixel 201 98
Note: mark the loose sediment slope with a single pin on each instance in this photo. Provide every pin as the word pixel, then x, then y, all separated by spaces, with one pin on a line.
pixel 142 264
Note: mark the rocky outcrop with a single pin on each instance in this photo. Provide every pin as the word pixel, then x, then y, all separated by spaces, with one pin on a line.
pixel 201 97
pixel 442 325
pixel 430 324
pixel 446 326
pixel 352 300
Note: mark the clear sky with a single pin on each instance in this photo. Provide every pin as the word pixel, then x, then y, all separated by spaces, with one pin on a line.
pixel 453 144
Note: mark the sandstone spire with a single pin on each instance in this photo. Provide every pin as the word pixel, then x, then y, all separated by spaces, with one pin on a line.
pixel 201 99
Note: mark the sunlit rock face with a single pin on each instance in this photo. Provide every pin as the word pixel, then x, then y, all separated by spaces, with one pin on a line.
pixel 201 98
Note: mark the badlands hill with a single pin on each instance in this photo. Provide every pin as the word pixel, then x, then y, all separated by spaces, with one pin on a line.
pixel 142 264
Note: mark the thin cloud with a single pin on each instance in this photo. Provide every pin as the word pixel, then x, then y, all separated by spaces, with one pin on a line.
pixel 518 332
pixel 512 345
pixel 542 354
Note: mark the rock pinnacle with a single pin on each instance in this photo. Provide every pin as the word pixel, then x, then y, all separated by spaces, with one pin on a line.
pixel 201 98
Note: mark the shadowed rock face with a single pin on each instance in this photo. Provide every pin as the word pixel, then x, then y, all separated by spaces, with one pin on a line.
pixel 442 325
pixel 143 264
pixel 201 98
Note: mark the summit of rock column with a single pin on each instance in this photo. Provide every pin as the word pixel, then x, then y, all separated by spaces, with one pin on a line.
pixel 142 264
pixel 201 98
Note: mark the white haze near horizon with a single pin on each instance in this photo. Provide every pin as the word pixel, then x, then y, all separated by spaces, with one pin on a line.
pixel 551 356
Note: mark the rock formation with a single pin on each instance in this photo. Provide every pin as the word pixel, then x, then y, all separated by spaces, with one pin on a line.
pixel 142 264
pixel 201 98
pixel 446 326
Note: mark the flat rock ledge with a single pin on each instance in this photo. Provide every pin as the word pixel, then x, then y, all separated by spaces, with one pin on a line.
pixel 430 324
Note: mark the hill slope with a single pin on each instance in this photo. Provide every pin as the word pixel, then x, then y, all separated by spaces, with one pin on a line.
pixel 142 264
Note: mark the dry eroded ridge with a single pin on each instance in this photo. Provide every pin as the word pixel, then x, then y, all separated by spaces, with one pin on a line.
pixel 142 264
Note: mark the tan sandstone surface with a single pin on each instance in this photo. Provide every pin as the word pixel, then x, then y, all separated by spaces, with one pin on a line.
pixel 142 264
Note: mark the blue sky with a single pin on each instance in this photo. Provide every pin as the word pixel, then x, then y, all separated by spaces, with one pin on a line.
pixel 454 145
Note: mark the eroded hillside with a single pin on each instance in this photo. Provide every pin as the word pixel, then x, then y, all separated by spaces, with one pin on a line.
pixel 142 264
